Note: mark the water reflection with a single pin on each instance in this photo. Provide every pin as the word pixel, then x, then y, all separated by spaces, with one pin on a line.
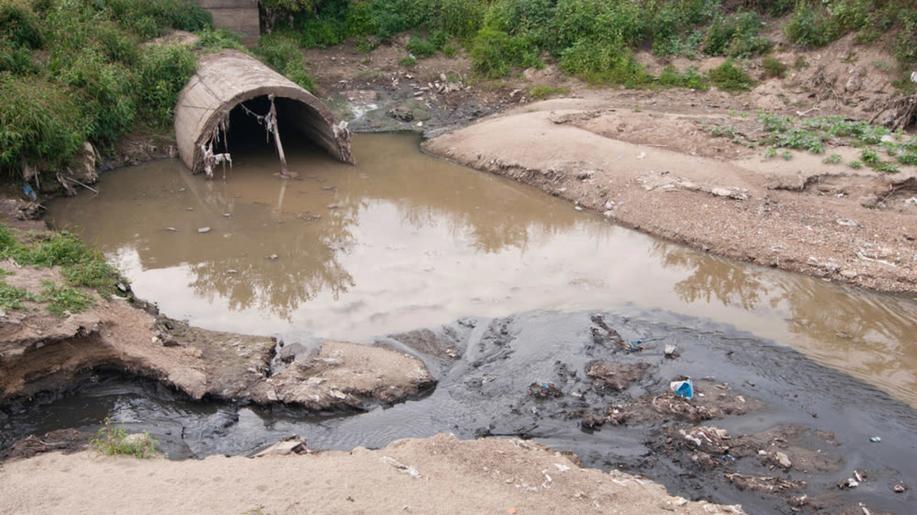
pixel 405 241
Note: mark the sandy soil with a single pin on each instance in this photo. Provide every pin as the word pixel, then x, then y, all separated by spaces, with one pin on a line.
pixel 650 171
pixel 440 474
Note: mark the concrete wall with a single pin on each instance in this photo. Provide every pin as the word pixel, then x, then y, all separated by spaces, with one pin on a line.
pixel 240 16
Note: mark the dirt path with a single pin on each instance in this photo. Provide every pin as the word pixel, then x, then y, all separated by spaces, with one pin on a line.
pixel 440 474
pixel 655 172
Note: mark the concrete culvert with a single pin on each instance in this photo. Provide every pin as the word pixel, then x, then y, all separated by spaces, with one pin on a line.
pixel 230 81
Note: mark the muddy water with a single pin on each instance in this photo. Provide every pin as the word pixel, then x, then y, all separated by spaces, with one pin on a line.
pixel 403 241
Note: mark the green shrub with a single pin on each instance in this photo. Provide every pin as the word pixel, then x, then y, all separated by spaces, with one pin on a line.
pixel 408 61
pixel 810 26
pixel 162 72
pixel 152 18
pixel 494 53
pixel 19 25
pixel 690 79
pixel 107 93
pixel 420 47
pixel 12 297
pixel 736 35
pixel 218 39
pixel 63 300
pixel 729 77
pixel 773 67
pixel 16 59
pixel 39 121
pixel 601 62
pixel 281 51
pixel 114 441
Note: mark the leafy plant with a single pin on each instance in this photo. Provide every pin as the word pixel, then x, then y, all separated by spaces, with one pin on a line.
pixel 542 91
pixel 64 299
pixel 729 77
pixel 773 67
pixel 114 441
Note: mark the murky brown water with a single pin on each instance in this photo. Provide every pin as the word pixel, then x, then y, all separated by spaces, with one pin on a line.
pixel 403 241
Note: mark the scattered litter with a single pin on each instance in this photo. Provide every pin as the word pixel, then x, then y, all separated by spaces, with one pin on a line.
pixel 409 470
pixel 900 488
pixel 202 230
pixel 875 439
pixel 273 257
pixel 671 351
pixel 684 389
pixel 544 390
pixel 642 155
pixel 578 208
pixel 783 460
pixel 849 483
pixel 561 467
pixel 227 215
pixel 171 229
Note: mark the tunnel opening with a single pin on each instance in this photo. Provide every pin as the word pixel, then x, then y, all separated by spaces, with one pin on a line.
pixel 226 108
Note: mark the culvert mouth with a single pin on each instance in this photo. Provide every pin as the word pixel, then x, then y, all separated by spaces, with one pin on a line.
pixel 230 82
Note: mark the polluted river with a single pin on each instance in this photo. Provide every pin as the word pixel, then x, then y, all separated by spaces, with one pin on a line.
pixel 514 300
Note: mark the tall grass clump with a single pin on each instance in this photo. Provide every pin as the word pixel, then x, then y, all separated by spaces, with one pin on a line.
pixel 78 70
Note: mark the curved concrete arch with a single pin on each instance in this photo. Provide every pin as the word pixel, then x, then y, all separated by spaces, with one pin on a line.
pixel 226 79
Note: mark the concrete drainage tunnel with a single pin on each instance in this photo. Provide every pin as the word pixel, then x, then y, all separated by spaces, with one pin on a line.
pixel 233 94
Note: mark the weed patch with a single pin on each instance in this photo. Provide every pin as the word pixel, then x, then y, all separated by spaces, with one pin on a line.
pixel 111 440
pixel 729 77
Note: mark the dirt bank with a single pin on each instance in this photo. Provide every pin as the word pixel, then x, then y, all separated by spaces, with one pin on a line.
pixel 44 352
pixel 440 474
pixel 657 172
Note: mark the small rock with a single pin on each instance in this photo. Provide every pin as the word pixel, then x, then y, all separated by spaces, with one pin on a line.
pixel 290 445
pixel 783 460
pixel 171 229
pixel 273 257
pixel 203 230
pixel 671 351
pixel 227 215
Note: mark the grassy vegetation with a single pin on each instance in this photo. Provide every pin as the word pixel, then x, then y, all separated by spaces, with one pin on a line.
pixel 80 265
pixel 773 67
pixel 111 440
pixel 594 39
pixel 12 297
pixel 75 70
pixel 730 77
pixel 813 134
pixel 543 91
pixel 281 51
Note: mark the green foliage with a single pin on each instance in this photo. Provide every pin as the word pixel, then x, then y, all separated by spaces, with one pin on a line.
pixel 736 35
pixel 810 25
pixel 218 39
pixel 162 72
pixel 12 297
pixel 281 51
pixel 111 440
pixel 80 265
pixel 690 79
pixel 92 79
pixel 63 300
pixel 856 164
pixel 421 47
pixel 408 61
pixel 39 121
pixel 773 67
pixel 607 62
pixel 543 91
pixel 729 77
pixel 494 53
pixel 19 25
pixel 833 159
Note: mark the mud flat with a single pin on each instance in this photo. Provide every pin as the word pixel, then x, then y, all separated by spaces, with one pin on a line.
pixel 801 216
